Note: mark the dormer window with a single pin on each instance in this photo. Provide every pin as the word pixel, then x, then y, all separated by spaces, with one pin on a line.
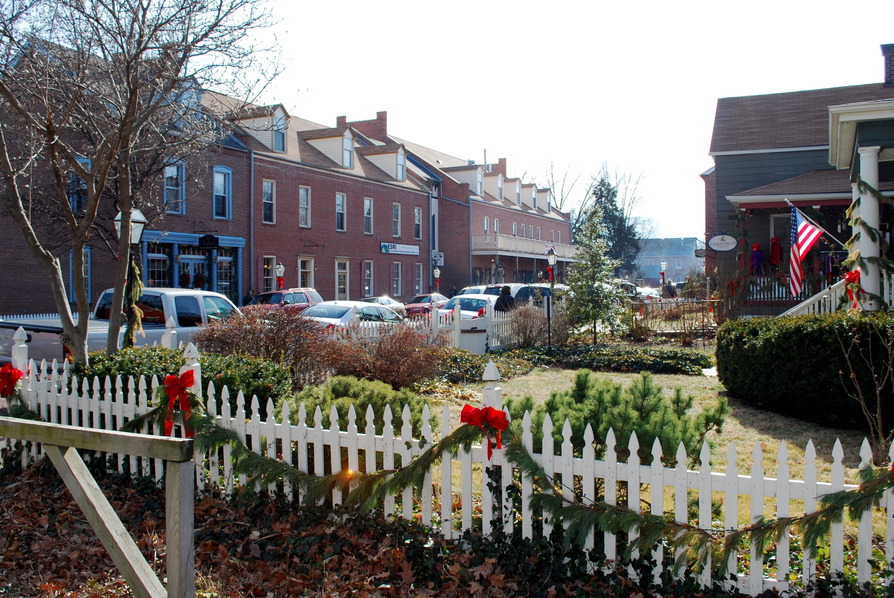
pixel 279 135
pixel 518 193
pixel 479 182
pixel 500 187
pixel 534 198
pixel 401 166
pixel 348 151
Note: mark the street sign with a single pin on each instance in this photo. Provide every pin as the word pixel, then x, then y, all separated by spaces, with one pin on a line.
pixel 700 252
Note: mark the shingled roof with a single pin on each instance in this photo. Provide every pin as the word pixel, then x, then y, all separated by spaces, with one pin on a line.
pixel 784 120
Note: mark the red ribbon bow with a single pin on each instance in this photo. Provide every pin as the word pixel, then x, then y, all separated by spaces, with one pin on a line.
pixel 8 378
pixel 178 388
pixel 852 283
pixel 494 418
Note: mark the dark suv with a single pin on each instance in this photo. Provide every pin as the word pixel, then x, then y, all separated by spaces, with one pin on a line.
pixel 297 299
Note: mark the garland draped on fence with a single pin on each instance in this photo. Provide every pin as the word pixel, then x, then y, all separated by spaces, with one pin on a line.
pixel 365 490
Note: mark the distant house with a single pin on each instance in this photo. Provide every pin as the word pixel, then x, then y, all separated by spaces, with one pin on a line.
pixel 677 253
pixel 804 148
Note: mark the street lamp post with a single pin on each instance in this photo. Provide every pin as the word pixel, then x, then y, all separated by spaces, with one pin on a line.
pixel 551 260
pixel 280 270
pixel 663 270
pixel 132 285
pixel 437 274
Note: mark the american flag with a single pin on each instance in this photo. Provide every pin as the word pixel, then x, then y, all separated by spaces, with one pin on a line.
pixel 803 236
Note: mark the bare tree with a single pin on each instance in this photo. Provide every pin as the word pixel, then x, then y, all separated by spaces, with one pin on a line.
pixel 106 93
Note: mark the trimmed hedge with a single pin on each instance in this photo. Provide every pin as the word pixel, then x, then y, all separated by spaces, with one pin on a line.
pixel 609 358
pixel 796 365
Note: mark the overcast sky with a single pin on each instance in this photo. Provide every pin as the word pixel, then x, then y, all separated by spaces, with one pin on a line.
pixel 571 85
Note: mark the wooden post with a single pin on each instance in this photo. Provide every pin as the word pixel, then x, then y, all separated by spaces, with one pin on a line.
pixel 19 352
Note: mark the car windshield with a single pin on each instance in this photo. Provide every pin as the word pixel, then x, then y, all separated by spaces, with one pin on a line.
pixel 267 298
pixel 420 299
pixel 326 311
pixel 466 303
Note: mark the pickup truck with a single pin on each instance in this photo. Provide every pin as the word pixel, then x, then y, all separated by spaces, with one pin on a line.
pixel 189 309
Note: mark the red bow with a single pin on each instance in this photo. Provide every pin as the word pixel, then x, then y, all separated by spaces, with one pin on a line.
pixel 178 388
pixel 852 283
pixel 494 418
pixel 8 378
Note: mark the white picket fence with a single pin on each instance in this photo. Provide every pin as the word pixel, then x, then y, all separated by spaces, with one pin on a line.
pixel 455 496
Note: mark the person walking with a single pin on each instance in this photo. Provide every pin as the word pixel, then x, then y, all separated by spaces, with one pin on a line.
pixel 505 302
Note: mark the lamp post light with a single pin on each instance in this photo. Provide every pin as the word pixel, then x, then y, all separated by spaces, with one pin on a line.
pixel 437 274
pixel 137 226
pixel 551 260
pixel 663 270
pixel 280 270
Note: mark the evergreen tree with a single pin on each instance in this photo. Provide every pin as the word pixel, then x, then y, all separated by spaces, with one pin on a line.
pixel 595 301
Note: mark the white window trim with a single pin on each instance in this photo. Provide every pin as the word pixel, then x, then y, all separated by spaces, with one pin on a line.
pixel 347 270
pixel 228 192
pixel 397 285
pixel 368 202
pixel 347 151
pixel 181 190
pixel 302 189
pixel 395 222
pixel 417 224
pixel 308 272
pixel 272 202
pixel 417 278
pixel 344 212
pixel 369 278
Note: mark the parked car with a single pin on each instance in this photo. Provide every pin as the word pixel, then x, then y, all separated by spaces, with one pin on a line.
pixel 297 299
pixel 536 292
pixel 472 290
pixel 340 314
pixel 495 289
pixel 421 305
pixel 470 306
pixel 387 301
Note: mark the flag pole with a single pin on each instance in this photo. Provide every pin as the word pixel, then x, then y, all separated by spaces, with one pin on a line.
pixel 807 218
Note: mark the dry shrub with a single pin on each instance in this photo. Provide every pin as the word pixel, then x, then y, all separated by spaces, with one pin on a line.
pixel 280 335
pixel 400 356
pixel 532 328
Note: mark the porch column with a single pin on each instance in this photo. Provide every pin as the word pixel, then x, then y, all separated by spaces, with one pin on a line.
pixel 869 212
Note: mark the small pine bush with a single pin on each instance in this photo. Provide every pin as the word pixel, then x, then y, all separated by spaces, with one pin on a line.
pixel 642 407
pixel 343 391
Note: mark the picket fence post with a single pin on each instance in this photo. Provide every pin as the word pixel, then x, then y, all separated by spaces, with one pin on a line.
pixel 19 353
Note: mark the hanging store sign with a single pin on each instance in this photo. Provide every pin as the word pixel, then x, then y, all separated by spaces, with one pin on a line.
pixel 398 249
pixel 723 243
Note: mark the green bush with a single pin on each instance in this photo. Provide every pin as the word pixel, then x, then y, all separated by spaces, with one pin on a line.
pixel 343 391
pixel 797 366
pixel 250 375
pixel 641 407
pixel 462 367
pixel 617 358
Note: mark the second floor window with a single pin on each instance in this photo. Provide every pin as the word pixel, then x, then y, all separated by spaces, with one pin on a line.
pixel 77 188
pixel 367 215
pixel 268 201
pixel 417 223
pixel 223 190
pixel 348 152
pixel 175 192
pixel 340 206
pixel 496 226
pixel 395 220
pixel 486 225
pixel 304 207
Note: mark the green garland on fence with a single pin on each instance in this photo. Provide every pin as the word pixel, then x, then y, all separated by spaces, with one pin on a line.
pixel 365 490
pixel 855 258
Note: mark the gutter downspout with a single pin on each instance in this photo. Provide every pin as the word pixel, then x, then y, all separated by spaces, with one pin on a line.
pixel 251 220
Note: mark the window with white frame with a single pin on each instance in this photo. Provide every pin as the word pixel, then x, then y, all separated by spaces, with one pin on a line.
pixel 348 151
pixel 367 216
pixel 306 272
pixel 500 187
pixel 518 192
pixel 552 236
pixel 678 263
pixel 395 220
pixel 341 203
pixel 496 226
pixel 175 188
pixel 304 207
pixel 368 286
pixel 515 229
pixel 269 273
pixel 396 283
pixel 223 192
pixel 479 182
pixel 558 236
pixel 417 223
pixel 417 278
pixel 538 234
pixel 279 135
pixel 342 278
pixel 522 231
pixel 486 225
pixel 268 201
pixel 530 231
pixel 401 166
pixel 534 199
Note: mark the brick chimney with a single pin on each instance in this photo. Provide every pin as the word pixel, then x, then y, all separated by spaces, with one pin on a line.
pixel 374 129
pixel 888 53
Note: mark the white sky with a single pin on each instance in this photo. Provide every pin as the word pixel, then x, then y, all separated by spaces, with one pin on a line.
pixel 572 84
